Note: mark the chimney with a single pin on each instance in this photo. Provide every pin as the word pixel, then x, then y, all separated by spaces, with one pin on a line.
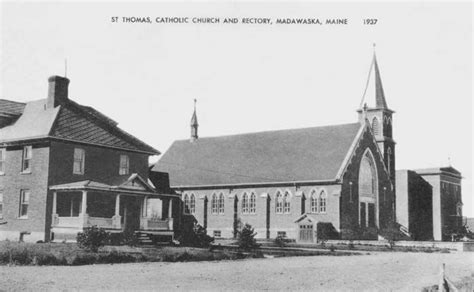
pixel 57 91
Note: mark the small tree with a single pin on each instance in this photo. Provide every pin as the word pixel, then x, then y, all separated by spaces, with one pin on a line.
pixel 92 238
pixel 246 237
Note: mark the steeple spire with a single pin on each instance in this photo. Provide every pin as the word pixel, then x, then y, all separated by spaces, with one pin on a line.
pixel 374 86
pixel 194 124
pixel 379 94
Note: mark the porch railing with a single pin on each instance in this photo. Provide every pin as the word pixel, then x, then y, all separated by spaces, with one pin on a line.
pixel 156 224
pixel 80 221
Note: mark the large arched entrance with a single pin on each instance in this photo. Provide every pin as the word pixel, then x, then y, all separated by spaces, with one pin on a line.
pixel 368 192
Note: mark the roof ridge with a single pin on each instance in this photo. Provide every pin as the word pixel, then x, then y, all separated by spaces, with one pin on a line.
pixel 271 131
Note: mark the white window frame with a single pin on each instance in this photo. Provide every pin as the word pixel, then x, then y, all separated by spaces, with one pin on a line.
pixel 253 203
pixel 314 202
pixel 214 206
pixel 192 204
pixel 221 203
pixel 25 196
pixel 3 159
pixel 124 165
pixel 287 203
pixel 27 156
pixel 186 204
pixel 245 203
pixel 79 161
pixel 323 199
pixel 279 203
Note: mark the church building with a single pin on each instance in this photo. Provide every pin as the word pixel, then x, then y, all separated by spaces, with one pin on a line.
pixel 293 183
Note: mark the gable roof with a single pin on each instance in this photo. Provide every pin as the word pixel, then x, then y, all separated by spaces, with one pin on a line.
pixel 72 122
pixel 132 184
pixel 308 154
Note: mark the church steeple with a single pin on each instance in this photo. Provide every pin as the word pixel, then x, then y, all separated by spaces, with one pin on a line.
pixel 373 108
pixel 194 124
pixel 380 101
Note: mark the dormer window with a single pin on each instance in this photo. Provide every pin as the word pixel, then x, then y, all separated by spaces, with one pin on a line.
pixel 26 159
pixel 79 161
pixel 124 165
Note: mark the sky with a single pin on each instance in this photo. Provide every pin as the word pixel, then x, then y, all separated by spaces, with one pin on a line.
pixel 254 77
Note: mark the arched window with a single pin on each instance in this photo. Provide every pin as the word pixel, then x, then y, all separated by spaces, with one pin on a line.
pixel 286 202
pixel 186 204
pixel 192 204
pixel 221 203
pixel 375 126
pixel 214 209
pixel 245 204
pixel 314 202
pixel 279 203
pixel 367 177
pixel 389 160
pixel 322 202
pixel 253 203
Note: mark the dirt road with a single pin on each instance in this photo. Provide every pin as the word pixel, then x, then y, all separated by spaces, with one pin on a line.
pixel 378 271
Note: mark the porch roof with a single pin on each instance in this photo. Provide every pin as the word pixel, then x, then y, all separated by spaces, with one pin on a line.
pixel 133 185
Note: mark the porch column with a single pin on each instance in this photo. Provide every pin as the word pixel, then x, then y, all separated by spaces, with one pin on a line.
pixel 117 218
pixel 144 215
pixel 170 214
pixel 55 217
pixel 170 208
pixel 84 209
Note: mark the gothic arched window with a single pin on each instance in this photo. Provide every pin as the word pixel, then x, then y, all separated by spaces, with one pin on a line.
pixel 286 203
pixel 367 177
pixel 314 202
pixel 279 203
pixel 221 203
pixel 214 209
pixel 322 202
pixel 375 126
pixel 186 204
pixel 192 204
pixel 253 203
pixel 245 203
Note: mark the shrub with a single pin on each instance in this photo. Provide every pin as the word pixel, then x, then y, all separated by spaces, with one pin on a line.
pixel 197 237
pixel 246 237
pixel 115 257
pixel 280 241
pixel 92 238
pixel 332 247
pixel 84 259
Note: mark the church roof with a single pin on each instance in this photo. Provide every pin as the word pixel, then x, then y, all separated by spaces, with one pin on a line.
pixel 295 155
pixel 70 121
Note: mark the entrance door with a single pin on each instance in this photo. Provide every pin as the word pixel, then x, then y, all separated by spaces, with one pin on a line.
pixel 130 212
pixel 306 233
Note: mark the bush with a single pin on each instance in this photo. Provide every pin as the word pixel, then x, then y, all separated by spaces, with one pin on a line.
pixel 115 257
pixel 197 237
pixel 246 237
pixel 280 241
pixel 84 259
pixel 92 238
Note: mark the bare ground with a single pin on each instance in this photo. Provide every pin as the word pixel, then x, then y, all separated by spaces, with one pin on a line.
pixel 377 271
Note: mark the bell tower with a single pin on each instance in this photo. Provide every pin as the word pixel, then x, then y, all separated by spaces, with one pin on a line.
pixel 379 116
